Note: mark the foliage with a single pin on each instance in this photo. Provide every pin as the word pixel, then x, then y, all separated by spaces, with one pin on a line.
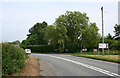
pixel 36 36
pixel 109 37
pixel 56 35
pixel 51 35
pixel 12 59
pixel 117 31
pixel 72 48
pixel 74 22
pixel 113 44
pixel 90 36
pixel 15 42
pixel 69 27
pixel 39 48
pixel 69 48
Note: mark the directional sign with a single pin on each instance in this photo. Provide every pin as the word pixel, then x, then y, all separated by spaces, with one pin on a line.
pixel 103 45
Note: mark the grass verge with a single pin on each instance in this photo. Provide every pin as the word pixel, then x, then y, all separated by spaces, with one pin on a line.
pixel 110 58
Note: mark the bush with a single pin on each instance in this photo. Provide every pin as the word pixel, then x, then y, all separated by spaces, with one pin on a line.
pixel 115 45
pixel 39 48
pixel 48 48
pixel 12 59
pixel 72 48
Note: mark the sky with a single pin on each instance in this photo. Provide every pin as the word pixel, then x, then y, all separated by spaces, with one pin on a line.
pixel 119 12
pixel 17 17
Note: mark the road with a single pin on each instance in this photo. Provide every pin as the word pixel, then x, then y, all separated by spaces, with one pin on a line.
pixel 67 65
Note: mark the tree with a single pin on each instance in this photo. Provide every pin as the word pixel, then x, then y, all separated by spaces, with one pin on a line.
pixel 109 37
pixel 74 22
pixel 15 42
pixel 117 32
pixel 78 27
pixel 51 35
pixel 90 36
pixel 36 36
pixel 57 35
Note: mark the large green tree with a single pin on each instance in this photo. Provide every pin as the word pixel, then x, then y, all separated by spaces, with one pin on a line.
pixel 36 34
pixel 56 35
pixel 90 36
pixel 74 22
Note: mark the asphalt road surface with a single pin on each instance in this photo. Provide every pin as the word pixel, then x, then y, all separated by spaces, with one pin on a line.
pixel 67 65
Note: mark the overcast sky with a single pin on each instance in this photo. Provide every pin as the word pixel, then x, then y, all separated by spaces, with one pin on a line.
pixel 19 16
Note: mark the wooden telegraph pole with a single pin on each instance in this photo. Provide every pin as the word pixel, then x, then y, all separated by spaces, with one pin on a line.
pixel 102 30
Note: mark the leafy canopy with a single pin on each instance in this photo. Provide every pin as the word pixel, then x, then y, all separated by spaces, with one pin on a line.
pixel 36 36
pixel 74 22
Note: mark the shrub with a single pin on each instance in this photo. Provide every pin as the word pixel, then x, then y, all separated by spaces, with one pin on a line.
pixel 115 45
pixel 72 48
pixel 48 48
pixel 12 59
pixel 39 48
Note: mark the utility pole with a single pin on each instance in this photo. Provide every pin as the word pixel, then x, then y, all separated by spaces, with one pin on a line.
pixel 102 30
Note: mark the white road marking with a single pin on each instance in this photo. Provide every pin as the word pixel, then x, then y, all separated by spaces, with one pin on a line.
pixel 87 66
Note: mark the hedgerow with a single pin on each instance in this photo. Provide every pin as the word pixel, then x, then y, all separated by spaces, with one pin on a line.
pixel 12 59
pixel 49 48
pixel 39 48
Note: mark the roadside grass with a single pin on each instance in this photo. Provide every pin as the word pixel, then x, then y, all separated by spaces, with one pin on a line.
pixel 110 58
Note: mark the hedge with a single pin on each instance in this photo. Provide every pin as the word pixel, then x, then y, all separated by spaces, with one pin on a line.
pixel 72 48
pixel 12 59
pixel 39 48
pixel 49 49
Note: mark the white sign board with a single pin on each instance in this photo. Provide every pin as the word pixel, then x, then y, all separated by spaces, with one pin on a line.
pixel 28 51
pixel 103 45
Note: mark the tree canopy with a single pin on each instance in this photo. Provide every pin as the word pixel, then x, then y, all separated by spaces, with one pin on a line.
pixel 56 36
pixel 36 34
pixel 68 29
pixel 90 36
pixel 74 22
pixel 117 31
pixel 72 28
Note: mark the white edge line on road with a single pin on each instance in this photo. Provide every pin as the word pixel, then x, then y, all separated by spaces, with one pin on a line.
pixel 87 66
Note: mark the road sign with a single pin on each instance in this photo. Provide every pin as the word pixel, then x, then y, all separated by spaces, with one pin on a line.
pixel 103 45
